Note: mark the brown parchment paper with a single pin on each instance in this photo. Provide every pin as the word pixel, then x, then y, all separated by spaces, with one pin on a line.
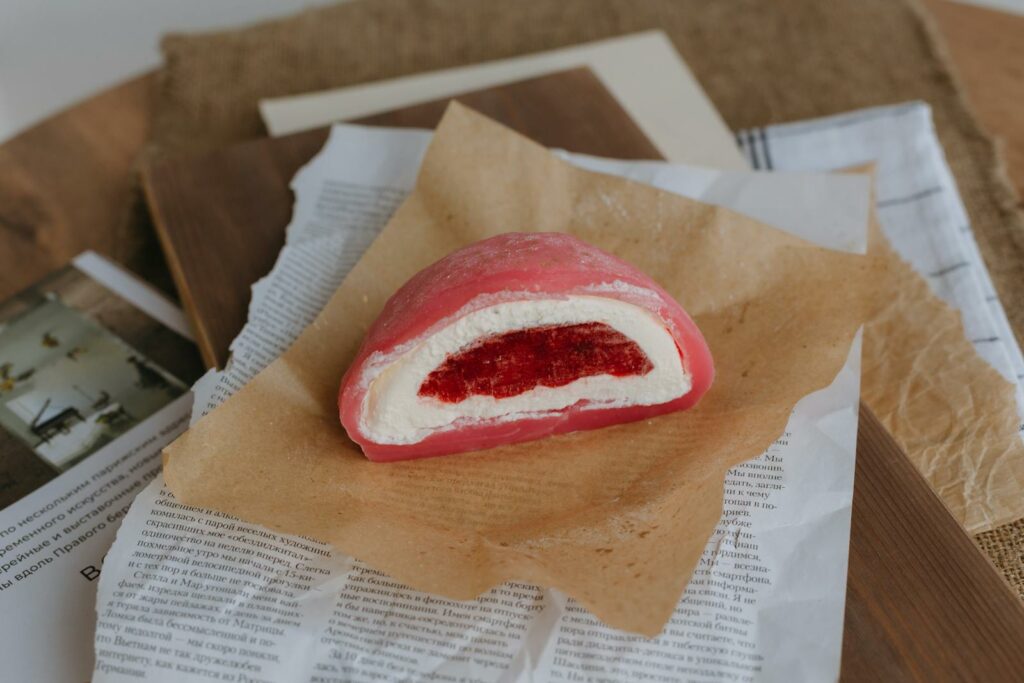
pixel 952 413
pixel 616 517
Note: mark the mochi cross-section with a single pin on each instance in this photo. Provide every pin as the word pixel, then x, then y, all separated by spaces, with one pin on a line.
pixel 515 338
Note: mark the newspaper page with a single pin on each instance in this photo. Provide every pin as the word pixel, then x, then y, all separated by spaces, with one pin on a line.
pixel 94 375
pixel 194 595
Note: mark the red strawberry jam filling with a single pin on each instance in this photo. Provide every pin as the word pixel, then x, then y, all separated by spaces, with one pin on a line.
pixel 513 363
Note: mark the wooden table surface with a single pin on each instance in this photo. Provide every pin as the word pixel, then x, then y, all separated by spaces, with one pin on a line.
pixel 923 602
pixel 68 185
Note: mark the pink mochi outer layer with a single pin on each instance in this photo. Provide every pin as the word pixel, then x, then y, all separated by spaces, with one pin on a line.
pixel 512 267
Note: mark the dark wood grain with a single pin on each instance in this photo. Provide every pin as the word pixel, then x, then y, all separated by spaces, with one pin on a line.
pixel 237 201
pixel 68 184
pixel 571 110
pixel 923 603
pixel 220 219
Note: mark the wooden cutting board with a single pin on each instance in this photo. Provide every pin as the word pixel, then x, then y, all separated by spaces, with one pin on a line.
pixel 923 603
pixel 237 201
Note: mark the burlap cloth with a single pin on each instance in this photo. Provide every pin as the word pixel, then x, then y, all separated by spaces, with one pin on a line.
pixel 759 62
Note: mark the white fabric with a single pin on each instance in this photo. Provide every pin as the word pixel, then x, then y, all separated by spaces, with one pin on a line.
pixel 919 208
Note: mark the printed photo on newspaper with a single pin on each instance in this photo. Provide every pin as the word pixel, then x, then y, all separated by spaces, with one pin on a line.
pixel 193 595
pixel 95 369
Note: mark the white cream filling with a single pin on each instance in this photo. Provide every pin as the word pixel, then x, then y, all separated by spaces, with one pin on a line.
pixel 394 413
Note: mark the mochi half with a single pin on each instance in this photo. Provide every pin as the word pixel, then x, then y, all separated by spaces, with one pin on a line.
pixel 515 338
